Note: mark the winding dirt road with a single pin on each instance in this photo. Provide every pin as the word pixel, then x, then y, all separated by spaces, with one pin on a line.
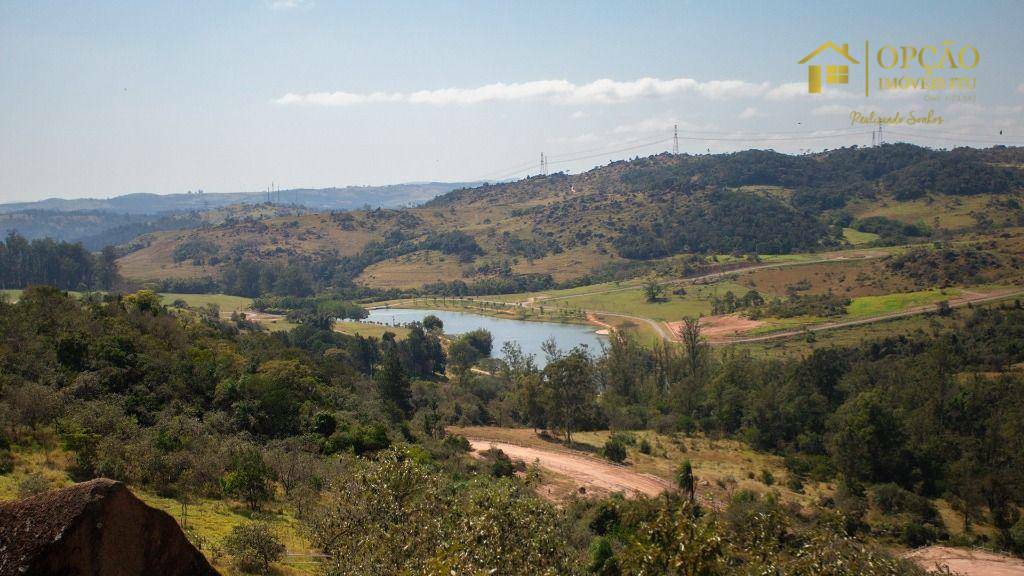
pixel 591 473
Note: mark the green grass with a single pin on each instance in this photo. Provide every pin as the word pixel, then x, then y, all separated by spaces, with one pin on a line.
pixel 367 330
pixel 858 238
pixel 866 306
pixel 226 302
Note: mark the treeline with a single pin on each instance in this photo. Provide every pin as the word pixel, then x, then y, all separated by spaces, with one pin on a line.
pixel 45 261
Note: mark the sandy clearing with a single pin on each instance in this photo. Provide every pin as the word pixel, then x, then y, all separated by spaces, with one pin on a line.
pixel 967 562
pixel 716 327
pixel 591 473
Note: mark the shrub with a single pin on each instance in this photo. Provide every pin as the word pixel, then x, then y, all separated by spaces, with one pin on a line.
pixel 767 477
pixel 31 485
pixel 501 464
pixel 253 546
pixel 6 462
pixel 645 446
pixel 614 450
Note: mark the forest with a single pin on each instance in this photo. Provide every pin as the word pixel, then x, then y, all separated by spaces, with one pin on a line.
pixel 56 263
pixel 192 405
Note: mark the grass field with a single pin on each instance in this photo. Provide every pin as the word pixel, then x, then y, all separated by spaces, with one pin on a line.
pixel 866 306
pixel 227 303
pixel 368 330
pixel 858 238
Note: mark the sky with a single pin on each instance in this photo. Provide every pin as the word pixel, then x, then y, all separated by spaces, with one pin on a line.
pixel 99 99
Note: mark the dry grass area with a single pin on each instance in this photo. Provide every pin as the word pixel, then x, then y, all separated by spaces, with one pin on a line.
pixel 848 278
pixel 566 265
pixel 412 270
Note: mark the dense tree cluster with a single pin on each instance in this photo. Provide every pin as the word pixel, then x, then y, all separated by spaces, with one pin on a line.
pixel 725 221
pixel 67 266
pixel 946 266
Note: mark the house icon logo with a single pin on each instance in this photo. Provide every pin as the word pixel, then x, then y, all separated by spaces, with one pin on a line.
pixel 834 73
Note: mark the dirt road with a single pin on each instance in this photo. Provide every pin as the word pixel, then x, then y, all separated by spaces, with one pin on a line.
pixel 590 473
pixel 967 562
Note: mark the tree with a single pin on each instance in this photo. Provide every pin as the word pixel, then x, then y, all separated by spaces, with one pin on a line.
pixel 653 290
pixel 432 323
pixel 480 339
pixel 254 546
pixel 686 480
pixel 462 355
pixel 569 386
pixel 249 478
pixel 693 343
pixel 392 382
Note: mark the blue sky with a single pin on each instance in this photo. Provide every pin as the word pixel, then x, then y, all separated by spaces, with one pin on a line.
pixel 106 98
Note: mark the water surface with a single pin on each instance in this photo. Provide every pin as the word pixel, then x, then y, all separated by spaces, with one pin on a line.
pixel 530 335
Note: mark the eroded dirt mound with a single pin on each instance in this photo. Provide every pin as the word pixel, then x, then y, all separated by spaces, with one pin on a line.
pixel 96 528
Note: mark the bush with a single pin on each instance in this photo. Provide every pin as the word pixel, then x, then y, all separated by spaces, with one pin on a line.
pixel 645 446
pixel 31 485
pixel 614 450
pixel 891 499
pixel 501 465
pixel 916 535
pixel 767 478
pixel 253 546
pixel 6 462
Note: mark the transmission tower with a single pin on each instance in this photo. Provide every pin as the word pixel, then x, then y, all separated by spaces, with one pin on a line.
pixel 543 164
pixel 675 138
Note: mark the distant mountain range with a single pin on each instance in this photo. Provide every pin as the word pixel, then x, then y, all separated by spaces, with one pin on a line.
pixel 346 198
pixel 96 222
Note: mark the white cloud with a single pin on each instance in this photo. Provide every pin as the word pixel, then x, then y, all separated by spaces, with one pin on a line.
pixel 1020 88
pixel 290 4
pixel 750 112
pixel 578 114
pixel 603 91
pixel 792 90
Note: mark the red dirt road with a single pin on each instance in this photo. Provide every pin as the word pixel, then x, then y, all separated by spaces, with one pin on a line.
pixel 967 562
pixel 590 473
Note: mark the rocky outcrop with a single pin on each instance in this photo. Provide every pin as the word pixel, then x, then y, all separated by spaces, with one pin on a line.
pixel 96 528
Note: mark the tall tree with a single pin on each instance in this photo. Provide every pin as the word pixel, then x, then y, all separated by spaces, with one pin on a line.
pixel 570 388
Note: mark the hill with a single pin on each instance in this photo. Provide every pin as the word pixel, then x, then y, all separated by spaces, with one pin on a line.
pixel 118 220
pixel 333 198
pixel 622 216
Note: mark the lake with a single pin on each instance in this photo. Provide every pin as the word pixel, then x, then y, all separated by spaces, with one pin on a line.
pixel 529 335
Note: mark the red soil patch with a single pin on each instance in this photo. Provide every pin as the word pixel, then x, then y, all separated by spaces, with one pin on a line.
pixel 719 327
pixel 967 562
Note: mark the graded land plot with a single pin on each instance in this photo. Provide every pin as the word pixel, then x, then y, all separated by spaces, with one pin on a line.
pixel 695 302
